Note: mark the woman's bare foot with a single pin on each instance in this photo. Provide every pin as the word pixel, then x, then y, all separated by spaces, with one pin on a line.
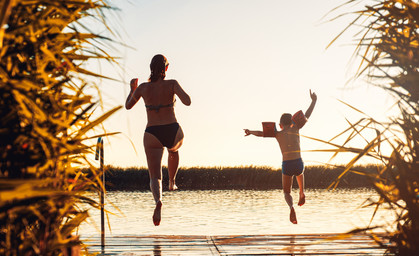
pixel 172 186
pixel 302 199
pixel 157 214
pixel 293 217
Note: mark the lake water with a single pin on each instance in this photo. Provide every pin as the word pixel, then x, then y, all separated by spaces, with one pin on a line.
pixel 235 212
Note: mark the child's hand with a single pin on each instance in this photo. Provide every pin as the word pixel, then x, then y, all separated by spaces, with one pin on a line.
pixel 247 132
pixel 313 96
pixel 133 84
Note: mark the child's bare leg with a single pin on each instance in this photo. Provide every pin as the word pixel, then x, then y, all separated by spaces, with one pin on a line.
pixel 293 217
pixel 173 164
pixel 300 181
pixel 286 186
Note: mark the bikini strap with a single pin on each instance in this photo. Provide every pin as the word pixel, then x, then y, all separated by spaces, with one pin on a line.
pixel 158 107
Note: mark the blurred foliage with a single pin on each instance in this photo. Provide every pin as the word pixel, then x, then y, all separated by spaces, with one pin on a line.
pixel 45 119
pixel 388 46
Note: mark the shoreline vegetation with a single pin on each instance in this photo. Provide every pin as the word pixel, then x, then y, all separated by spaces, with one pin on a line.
pixel 242 177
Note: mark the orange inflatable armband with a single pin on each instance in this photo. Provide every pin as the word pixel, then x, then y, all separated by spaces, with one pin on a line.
pixel 269 129
pixel 299 119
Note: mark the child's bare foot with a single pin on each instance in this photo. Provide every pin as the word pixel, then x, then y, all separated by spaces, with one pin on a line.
pixel 293 217
pixel 172 186
pixel 302 199
pixel 157 214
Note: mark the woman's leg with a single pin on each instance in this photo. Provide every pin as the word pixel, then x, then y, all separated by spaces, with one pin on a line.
pixel 154 153
pixel 286 186
pixel 173 164
pixel 173 159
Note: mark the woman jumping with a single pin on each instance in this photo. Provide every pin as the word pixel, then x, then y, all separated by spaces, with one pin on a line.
pixel 162 130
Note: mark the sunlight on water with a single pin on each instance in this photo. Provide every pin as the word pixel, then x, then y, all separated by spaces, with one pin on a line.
pixel 234 212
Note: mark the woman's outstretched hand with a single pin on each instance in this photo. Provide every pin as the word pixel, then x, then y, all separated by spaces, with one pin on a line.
pixel 133 84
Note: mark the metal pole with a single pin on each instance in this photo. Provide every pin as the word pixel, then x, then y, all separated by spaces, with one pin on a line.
pixel 100 156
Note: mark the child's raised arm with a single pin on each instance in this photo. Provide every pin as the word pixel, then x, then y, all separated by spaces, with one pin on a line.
pixel 256 133
pixel 313 97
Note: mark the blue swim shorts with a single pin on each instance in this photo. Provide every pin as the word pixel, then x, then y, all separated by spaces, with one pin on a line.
pixel 293 167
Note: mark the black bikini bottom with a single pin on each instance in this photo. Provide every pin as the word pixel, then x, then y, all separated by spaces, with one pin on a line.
pixel 166 133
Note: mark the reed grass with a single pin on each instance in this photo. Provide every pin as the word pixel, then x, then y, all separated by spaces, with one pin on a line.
pixel 47 97
pixel 388 50
pixel 242 177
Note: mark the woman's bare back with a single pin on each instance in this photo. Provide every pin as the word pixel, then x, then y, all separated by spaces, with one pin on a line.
pixel 159 98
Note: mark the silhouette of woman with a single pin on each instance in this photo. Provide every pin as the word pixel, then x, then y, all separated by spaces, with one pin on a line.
pixel 163 130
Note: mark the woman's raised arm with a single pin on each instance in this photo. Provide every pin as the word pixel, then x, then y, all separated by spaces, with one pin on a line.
pixel 183 96
pixel 134 95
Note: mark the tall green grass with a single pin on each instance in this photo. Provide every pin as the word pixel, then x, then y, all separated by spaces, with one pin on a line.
pixel 242 177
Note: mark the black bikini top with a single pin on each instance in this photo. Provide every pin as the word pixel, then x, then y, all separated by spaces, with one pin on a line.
pixel 158 107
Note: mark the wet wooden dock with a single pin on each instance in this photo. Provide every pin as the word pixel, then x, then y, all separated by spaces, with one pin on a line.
pixel 306 244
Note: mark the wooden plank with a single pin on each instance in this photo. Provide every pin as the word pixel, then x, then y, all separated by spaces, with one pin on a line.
pixel 306 244
pixel 297 245
pixel 153 245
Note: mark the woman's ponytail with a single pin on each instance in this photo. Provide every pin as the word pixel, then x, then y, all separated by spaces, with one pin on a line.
pixel 158 68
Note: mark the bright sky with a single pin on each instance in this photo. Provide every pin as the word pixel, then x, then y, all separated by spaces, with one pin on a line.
pixel 242 62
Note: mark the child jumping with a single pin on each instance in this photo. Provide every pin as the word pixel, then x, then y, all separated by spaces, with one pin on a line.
pixel 289 142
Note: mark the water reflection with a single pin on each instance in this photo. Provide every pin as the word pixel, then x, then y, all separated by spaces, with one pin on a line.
pixel 294 248
pixel 236 212
pixel 157 249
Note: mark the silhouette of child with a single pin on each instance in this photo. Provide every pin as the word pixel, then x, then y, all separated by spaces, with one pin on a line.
pixel 289 142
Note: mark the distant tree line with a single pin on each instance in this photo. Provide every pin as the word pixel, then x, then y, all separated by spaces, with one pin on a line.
pixel 243 177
